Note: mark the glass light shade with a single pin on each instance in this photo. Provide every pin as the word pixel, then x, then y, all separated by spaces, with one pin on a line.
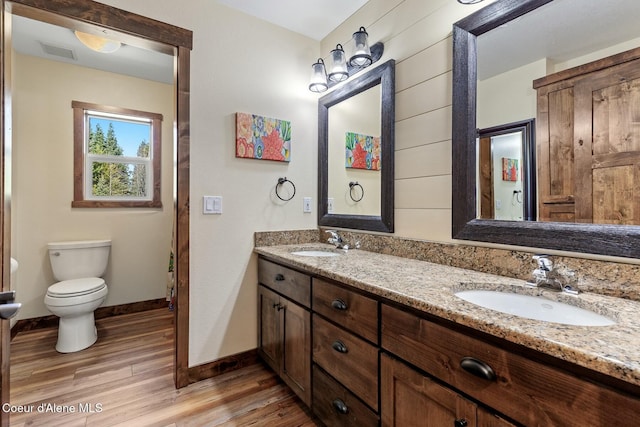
pixel 338 71
pixel 97 43
pixel 469 1
pixel 362 55
pixel 318 81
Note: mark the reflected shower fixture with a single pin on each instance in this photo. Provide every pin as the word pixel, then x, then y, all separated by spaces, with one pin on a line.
pixel 318 77
pixel 340 69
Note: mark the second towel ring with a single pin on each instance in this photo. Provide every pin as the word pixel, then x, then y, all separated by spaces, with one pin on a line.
pixel 281 181
pixel 353 184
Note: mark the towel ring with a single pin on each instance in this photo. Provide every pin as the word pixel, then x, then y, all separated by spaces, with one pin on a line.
pixel 353 184
pixel 281 181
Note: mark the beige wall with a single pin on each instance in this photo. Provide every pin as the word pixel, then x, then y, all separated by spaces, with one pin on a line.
pixel 42 188
pixel 417 34
pixel 238 63
pixel 509 97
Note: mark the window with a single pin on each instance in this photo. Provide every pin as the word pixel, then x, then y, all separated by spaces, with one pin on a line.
pixel 116 157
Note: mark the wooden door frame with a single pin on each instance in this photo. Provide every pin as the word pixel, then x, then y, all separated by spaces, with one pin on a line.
pixel 529 166
pixel 143 32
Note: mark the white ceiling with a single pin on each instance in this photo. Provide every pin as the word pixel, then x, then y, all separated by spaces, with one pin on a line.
pixel 29 36
pixel 312 18
pixel 559 31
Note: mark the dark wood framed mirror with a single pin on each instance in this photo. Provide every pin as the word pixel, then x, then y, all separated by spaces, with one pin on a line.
pixel 383 78
pixel 613 240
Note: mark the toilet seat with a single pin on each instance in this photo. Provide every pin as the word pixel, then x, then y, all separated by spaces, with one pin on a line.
pixel 76 287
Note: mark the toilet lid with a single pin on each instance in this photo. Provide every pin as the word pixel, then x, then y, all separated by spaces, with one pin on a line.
pixel 75 287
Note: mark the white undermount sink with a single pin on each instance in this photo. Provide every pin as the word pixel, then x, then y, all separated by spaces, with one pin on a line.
pixel 315 253
pixel 534 307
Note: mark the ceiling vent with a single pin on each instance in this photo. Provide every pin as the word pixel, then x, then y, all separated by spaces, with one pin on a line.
pixel 58 51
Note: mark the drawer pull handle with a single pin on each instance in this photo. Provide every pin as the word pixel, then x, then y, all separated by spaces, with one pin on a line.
pixel 339 347
pixel 478 368
pixel 460 423
pixel 340 406
pixel 279 277
pixel 339 304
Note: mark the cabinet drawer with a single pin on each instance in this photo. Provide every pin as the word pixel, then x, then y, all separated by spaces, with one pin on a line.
pixel 349 359
pixel 290 283
pixel 349 309
pixel 336 406
pixel 527 391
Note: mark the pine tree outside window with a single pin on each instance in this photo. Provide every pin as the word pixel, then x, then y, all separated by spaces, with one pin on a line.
pixel 116 157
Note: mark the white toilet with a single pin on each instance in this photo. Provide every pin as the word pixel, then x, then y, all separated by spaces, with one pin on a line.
pixel 78 266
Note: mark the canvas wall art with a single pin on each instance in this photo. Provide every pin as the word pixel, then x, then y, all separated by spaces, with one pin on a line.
pixel 362 151
pixel 263 138
pixel 509 169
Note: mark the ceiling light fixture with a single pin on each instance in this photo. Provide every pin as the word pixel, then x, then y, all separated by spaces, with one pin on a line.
pixel 339 68
pixel 97 43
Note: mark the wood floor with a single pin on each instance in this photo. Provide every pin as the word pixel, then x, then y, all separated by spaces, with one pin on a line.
pixel 126 379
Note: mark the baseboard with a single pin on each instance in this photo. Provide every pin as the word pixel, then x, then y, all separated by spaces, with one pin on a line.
pixel 51 321
pixel 224 365
pixel 133 307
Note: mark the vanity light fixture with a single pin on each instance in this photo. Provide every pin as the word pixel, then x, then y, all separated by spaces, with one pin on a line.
pixel 318 77
pixel 469 1
pixel 339 68
pixel 338 71
pixel 362 55
pixel 97 43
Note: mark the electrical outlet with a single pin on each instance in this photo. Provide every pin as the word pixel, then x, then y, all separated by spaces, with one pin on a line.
pixel 306 204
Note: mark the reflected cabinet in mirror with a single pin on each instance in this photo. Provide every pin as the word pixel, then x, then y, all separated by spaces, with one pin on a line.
pixel 356 152
pixel 576 75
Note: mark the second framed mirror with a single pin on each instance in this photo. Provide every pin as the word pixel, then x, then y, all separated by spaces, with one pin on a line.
pixel 356 131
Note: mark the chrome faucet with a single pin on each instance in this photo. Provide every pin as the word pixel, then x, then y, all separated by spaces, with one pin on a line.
pixel 339 242
pixel 546 276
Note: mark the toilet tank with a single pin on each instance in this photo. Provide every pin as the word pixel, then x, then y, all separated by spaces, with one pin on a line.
pixel 78 259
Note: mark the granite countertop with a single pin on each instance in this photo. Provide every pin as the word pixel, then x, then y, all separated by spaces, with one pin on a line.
pixel 611 350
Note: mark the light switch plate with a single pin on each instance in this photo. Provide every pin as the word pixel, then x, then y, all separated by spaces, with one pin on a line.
pixel 330 205
pixel 306 204
pixel 212 205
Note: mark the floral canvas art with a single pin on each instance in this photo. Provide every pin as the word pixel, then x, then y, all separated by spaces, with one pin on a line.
pixel 362 151
pixel 263 138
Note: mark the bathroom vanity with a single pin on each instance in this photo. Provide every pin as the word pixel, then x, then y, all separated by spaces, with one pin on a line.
pixel 370 339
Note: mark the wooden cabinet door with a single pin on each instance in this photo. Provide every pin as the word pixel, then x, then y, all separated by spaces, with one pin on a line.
pixel 269 341
pixel 607 147
pixel 296 355
pixel 555 157
pixel 410 399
